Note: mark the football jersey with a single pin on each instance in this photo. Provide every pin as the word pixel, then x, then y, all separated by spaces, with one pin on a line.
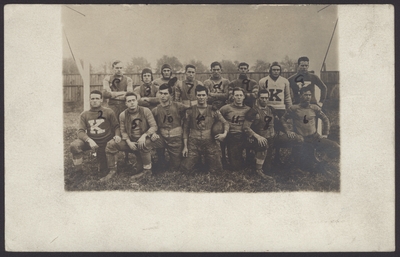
pixel 279 92
pixel 235 116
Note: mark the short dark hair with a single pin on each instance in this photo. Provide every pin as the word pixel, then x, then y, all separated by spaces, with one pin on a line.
pixel 189 66
pixel 263 91
pixel 303 59
pixel 165 86
pixel 215 64
pixel 304 89
pixel 200 88
pixel 97 92
pixel 243 64
pixel 115 63
pixel 130 93
pixel 238 89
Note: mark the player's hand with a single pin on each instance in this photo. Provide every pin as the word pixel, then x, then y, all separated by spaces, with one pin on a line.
pixel 92 144
pixel 142 142
pixel 320 104
pixel 262 141
pixel 324 136
pixel 154 137
pixel 117 139
pixel 220 137
pixel 291 134
pixel 185 152
pixel 145 99
pixel 132 145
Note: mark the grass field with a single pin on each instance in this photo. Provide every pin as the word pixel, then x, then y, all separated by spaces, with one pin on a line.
pixel 287 177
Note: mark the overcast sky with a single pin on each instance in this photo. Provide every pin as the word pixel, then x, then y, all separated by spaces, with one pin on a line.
pixel 203 32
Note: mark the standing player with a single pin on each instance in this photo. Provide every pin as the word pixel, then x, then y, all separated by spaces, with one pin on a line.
pixel 305 79
pixel 169 115
pixel 166 78
pixel 304 117
pixel 185 91
pixel 115 88
pixel 197 137
pixel 97 126
pixel 279 96
pixel 218 95
pixel 217 86
pixel 137 125
pixel 147 92
pixel 259 127
pixel 250 86
pixel 234 114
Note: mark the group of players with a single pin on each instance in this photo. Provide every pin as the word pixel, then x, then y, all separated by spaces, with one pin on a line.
pixel 191 119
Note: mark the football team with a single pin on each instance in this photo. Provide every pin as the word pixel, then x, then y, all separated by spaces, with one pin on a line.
pixel 199 124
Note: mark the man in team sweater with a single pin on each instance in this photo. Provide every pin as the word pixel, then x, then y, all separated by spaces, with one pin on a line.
pixel 305 79
pixel 198 138
pixel 250 86
pixel 137 125
pixel 147 92
pixel 217 86
pixel 259 127
pixel 184 92
pixel 234 114
pixel 97 126
pixel 166 77
pixel 169 116
pixel 304 117
pixel 115 88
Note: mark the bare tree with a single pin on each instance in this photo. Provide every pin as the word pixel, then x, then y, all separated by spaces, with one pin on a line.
pixel 229 66
pixel 139 62
pixel 288 64
pixel 173 61
pixel 261 66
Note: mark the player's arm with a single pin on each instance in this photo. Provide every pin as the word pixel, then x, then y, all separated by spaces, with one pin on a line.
pixel 115 125
pixel 288 115
pixel 186 129
pixel 219 117
pixel 155 135
pixel 82 133
pixel 322 87
pixel 178 92
pixel 153 128
pixel 129 88
pixel 288 97
pixel 325 121
pixel 122 127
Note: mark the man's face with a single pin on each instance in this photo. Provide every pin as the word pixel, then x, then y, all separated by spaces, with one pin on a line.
pixel 306 97
pixel 263 99
pixel 243 69
pixel 238 97
pixel 95 100
pixel 216 71
pixel 201 97
pixel 303 67
pixel 275 71
pixel 166 73
pixel 147 78
pixel 190 73
pixel 131 102
pixel 164 95
pixel 118 69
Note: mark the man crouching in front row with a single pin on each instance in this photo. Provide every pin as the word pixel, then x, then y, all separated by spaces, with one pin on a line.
pixel 137 124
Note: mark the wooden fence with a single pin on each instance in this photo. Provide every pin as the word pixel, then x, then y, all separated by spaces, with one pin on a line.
pixel 73 84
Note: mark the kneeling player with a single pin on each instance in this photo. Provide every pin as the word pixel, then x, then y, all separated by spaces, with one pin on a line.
pixel 197 137
pixel 137 125
pixel 169 116
pixel 97 126
pixel 304 116
pixel 259 126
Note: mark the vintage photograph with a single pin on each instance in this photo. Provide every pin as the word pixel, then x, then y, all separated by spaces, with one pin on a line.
pixel 201 98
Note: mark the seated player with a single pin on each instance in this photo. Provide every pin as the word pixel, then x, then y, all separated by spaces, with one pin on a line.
pixel 147 92
pixel 234 114
pixel 184 92
pixel 97 126
pixel 166 78
pixel 197 138
pixel 259 127
pixel 137 125
pixel 169 116
pixel 250 86
pixel 304 117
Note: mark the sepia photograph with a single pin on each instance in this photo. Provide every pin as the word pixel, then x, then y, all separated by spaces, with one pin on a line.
pixel 220 105
pixel 199 128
